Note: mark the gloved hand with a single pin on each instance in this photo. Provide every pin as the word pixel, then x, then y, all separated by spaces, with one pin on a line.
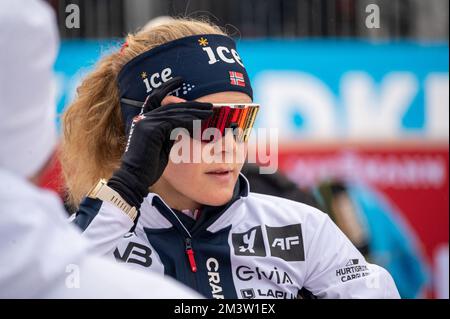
pixel 148 147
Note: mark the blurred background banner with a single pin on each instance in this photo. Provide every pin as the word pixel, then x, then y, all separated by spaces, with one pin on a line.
pixel 328 89
pixel 351 90
pixel 358 109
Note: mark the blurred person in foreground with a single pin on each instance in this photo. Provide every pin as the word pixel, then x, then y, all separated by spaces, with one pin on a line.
pixel 41 255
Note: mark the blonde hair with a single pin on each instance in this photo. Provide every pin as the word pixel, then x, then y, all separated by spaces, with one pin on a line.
pixel 93 138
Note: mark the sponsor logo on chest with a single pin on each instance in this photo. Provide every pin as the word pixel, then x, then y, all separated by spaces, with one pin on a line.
pixel 285 242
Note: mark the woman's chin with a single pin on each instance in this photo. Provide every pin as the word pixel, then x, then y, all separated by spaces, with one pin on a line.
pixel 216 199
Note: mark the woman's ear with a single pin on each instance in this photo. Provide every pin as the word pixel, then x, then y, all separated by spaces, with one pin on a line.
pixel 170 99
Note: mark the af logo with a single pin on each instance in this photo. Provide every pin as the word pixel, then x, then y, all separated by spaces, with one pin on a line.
pixel 250 243
pixel 286 242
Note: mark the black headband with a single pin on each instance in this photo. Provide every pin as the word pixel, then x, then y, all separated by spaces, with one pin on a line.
pixel 208 63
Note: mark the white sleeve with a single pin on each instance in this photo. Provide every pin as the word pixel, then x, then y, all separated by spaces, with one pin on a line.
pixel 41 256
pixel 336 269
pixel 107 229
pixel 97 277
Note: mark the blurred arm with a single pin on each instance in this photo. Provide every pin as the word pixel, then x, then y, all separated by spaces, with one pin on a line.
pixel 336 269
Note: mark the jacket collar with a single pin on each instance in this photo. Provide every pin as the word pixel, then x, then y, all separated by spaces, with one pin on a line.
pixel 155 213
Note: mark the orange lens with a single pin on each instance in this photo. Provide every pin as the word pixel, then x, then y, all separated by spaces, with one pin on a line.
pixel 239 117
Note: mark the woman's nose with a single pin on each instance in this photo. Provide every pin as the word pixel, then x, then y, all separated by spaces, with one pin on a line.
pixel 228 142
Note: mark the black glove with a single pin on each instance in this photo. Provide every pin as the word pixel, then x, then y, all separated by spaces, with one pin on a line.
pixel 149 144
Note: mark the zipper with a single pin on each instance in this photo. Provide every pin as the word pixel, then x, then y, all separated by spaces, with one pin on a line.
pixel 191 263
pixel 190 254
pixel 179 223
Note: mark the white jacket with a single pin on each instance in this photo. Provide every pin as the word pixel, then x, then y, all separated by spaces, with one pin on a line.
pixel 42 256
pixel 259 246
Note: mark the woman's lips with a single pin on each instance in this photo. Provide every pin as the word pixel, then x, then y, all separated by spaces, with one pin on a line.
pixel 221 175
pixel 220 171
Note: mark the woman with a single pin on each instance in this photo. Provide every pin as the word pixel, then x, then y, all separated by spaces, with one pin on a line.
pixel 197 221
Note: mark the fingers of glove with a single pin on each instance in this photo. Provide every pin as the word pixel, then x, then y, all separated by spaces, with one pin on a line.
pixel 178 110
pixel 182 114
pixel 155 126
pixel 182 105
pixel 172 121
pixel 200 111
pixel 154 99
pixel 186 122
pixel 160 128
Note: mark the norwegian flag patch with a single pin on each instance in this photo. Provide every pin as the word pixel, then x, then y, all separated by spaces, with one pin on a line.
pixel 237 78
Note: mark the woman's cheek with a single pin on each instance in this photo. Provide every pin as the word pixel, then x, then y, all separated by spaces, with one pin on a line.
pixel 189 178
pixel 191 181
pixel 185 178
